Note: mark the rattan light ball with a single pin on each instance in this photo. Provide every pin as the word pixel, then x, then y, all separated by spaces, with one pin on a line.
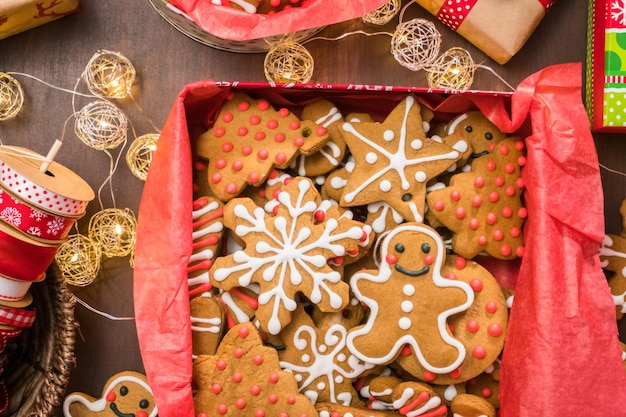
pixel 78 259
pixel 453 70
pixel 109 74
pixel 114 231
pixel 383 14
pixel 101 125
pixel 139 155
pixel 288 62
pixel 11 97
pixel 415 44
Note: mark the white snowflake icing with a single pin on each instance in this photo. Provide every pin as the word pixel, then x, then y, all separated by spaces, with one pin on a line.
pixel 326 360
pixel 11 215
pixel 618 11
pixel 55 226
pixel 37 215
pixel 291 255
pixel 34 231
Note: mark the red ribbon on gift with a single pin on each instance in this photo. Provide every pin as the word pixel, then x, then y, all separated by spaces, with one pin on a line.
pixel 453 12
pixel 17 317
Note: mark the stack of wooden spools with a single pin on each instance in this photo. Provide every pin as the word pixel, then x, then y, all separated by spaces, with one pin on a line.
pixel 40 200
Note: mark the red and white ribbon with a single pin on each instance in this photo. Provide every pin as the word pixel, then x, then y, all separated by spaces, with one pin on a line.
pixel 6 335
pixel 22 260
pixel 17 317
pixel 453 12
pixel 32 221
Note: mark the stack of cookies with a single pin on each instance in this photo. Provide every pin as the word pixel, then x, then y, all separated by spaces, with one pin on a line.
pixel 334 269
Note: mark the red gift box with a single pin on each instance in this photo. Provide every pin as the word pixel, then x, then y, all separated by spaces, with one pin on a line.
pixel 562 355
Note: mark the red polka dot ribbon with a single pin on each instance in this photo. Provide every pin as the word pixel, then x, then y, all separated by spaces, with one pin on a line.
pixel 453 12
pixel 32 221
pixel 17 317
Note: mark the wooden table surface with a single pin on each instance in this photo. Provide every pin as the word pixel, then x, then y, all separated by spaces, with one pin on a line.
pixel 166 60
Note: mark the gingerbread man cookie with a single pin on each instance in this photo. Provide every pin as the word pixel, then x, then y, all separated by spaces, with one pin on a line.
pixel 613 259
pixel 125 394
pixel 287 253
pixel 249 138
pixel 410 301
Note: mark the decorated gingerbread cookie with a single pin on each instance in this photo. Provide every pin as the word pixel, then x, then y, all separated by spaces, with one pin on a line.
pixel 394 161
pixel 484 207
pixel 410 300
pixel 613 259
pixel 249 138
pixel 207 324
pixel 287 253
pixel 468 405
pixel 244 379
pixel 329 409
pixel 417 399
pixel 125 394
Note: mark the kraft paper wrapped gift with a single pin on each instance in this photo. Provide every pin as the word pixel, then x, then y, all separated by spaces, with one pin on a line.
pixel 20 15
pixel 496 27
pixel 562 356
pixel 606 66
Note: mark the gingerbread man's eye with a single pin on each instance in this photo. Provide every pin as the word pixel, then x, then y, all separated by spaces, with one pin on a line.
pixel 425 247
pixel 123 390
pixel 144 404
pixel 488 135
pixel 399 247
pixel 468 129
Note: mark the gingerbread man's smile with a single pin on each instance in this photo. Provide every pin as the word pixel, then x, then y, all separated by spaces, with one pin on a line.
pixel 411 272
pixel 118 412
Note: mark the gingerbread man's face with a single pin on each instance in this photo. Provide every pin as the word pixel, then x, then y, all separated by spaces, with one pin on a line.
pixel 480 134
pixel 410 275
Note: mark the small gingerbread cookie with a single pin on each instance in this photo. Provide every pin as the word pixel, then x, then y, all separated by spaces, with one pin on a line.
pixel 244 379
pixel 468 405
pixel 207 227
pixel 412 398
pixel 287 253
pixel 249 138
pixel 207 324
pixel 329 409
pixel 125 394
pixel 483 207
pixel 613 259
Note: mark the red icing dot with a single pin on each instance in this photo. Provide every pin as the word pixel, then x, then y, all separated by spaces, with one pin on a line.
pixel 406 350
pixel 220 364
pixel 262 154
pixel 520 183
pixel 486 392
pixel 319 215
pixel 491 165
pixel 482 240
pixel 451 276
pixel 272 398
pixel 477 201
pixel 460 262
pixel 474 224
pixel 460 213
pixel 428 260
pixel 429 376
pixel 259 136
pixel 255 390
pixel 244 332
pixel 519 145
pixel 254 177
pixel 291 399
pixel 494 196
pixel 456 374
pixel 509 168
pixel 220 163
pixel 491 218
pixel 259 413
pixel 263 105
pixel 283 112
pixel 498 234
pixel 222 409
pixel 240 403
pixel 199 166
pixel 231 188
pixel 141 414
pixel 320 131
pixel 472 326
pixel 280 158
pixel 219 132
pixel 227 147
pixel 216 178
pixel 298 142
pixel 494 329
pixel 505 249
pixel 257 359
pixel 216 388
pixel 499 181
pixel 514 232
pixel 272 124
pixel 227 117
pixel 519 251
pixel 479 182
pixel 110 396
pixel 491 307
pixel 238 352
pixel 476 284
pixel 237 165
pixel 391 259
pixel 507 211
pixel 246 150
pixel 521 161
pixel 237 377
pixel 279 137
pixel 294 124
pixel 242 131
pixel 479 352
pixel 273 378
pixel 439 206
pixel 522 213
pixel 504 149
pixel 455 195
pixel 243 106
pixel 255 120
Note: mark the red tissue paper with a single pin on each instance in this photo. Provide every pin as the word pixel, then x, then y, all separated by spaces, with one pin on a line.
pixel 562 355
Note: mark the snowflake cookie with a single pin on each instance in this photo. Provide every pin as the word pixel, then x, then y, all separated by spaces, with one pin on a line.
pixel 287 252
